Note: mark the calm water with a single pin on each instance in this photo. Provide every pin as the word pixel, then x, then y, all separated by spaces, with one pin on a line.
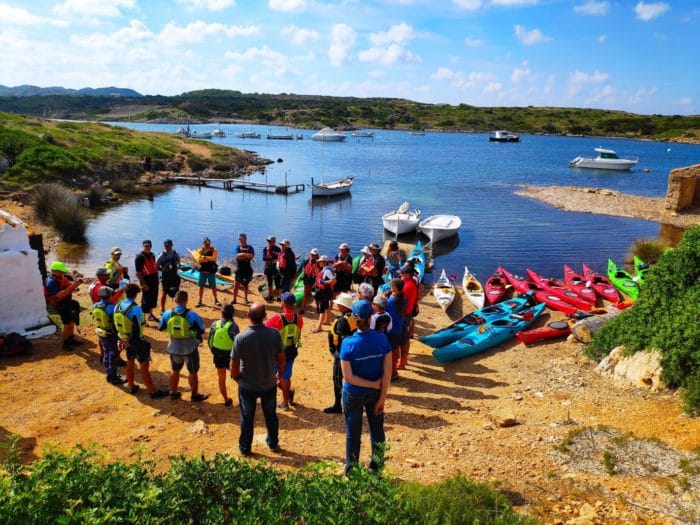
pixel 454 173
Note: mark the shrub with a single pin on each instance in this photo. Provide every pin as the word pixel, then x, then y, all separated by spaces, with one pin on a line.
pixel 94 194
pixel 43 162
pixel 55 205
pixel 125 186
pixel 648 250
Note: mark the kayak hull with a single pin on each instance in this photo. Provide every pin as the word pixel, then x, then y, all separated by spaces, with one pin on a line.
pixel 551 330
pixel 601 285
pixel 622 280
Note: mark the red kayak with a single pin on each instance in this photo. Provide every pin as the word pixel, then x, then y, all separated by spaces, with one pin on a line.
pixel 601 285
pixel 549 331
pixel 556 287
pixel 522 285
pixel 495 288
pixel 578 285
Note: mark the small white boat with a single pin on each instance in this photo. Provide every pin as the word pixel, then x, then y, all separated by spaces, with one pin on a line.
pixel 248 135
pixel 401 221
pixel 419 132
pixel 330 189
pixel 329 135
pixel 504 136
pixel 363 134
pixel 473 289
pixel 444 291
pixel 274 136
pixel 438 227
pixel 199 135
pixel 218 132
pixel 607 159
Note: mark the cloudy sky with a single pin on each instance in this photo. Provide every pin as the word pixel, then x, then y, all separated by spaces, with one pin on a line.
pixel 638 56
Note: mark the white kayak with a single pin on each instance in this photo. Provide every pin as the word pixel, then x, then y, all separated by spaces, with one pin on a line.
pixel 473 289
pixel 444 291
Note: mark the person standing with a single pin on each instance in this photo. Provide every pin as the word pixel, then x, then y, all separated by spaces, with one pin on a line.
pixel 103 316
pixel 289 325
pixel 117 271
pixel 395 258
pixel 377 276
pixel 129 321
pixel 206 256
pixel 58 290
pixel 185 328
pixel 287 265
pixel 343 269
pixel 343 326
pixel 101 278
pixel 310 269
pixel 168 263
pixel 395 308
pixel 270 254
pixel 253 357
pixel 325 280
pixel 365 359
pixel 221 336
pixel 147 273
pixel 381 321
pixel 244 267
pixel 410 294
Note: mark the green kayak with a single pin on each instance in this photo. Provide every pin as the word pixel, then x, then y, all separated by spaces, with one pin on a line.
pixel 640 270
pixel 622 280
pixel 298 288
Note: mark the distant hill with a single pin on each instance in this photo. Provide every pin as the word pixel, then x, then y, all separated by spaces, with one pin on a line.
pixel 31 91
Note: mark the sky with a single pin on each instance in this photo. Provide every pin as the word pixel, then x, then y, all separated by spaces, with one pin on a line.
pixel 639 56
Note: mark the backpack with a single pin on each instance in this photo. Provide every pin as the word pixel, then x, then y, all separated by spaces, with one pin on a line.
pixel 123 323
pixel 178 325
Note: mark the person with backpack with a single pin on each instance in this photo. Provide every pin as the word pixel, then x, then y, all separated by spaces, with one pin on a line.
pixel 286 264
pixel 129 321
pixel 343 326
pixel 325 280
pixel 58 290
pixel 168 263
pixel 103 315
pixel 289 325
pixel 221 336
pixel 185 328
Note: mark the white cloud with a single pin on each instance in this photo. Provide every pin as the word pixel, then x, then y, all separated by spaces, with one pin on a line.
pixel 492 87
pixel 377 73
pixel 135 34
pixel 274 60
pixel 443 73
pixel 510 3
pixel 685 102
pixel 468 5
pixel 209 5
pixel 601 96
pixel 288 6
pixel 93 8
pixel 601 39
pixel 522 74
pixel 474 42
pixel 549 86
pixel 398 34
pixel 641 95
pixel 389 46
pixel 592 7
pixel 18 16
pixel 578 79
pixel 529 38
pixel 199 31
pixel 299 36
pixel 646 12
pixel 342 41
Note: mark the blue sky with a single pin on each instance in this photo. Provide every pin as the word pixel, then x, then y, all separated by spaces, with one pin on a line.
pixel 640 56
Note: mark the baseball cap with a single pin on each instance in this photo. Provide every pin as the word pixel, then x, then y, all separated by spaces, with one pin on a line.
pixel 147 242
pixel 271 238
pixel 206 239
pixel 116 251
pixel 286 242
pixel 344 246
pixel 168 242
pixel 313 251
pixel 59 267
pixel 105 292
pixel 373 246
pixel 102 271
pixel 362 309
pixel 380 299
pixel 407 268
pixel 288 298
pixel 323 258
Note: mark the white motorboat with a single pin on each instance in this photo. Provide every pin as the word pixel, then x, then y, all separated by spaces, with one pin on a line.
pixel 248 135
pixel 218 132
pixel 473 289
pixel 369 134
pixel 437 227
pixel 401 221
pixel 330 189
pixel 504 136
pixel 444 291
pixel 199 135
pixel 607 159
pixel 329 135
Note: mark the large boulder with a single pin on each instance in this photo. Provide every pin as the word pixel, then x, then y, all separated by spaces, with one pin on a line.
pixel 642 369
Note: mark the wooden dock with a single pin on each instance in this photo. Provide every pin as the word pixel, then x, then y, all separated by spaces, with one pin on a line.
pixel 238 184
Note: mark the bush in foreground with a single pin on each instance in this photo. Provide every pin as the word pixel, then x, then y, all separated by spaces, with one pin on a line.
pixel 55 205
pixel 76 487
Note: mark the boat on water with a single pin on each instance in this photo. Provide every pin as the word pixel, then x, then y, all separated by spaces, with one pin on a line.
pixel 273 136
pixel 199 135
pixel 330 189
pixel 218 132
pixel 329 135
pixel 416 132
pixel 444 291
pixel 504 136
pixel 368 134
pixel 473 290
pixel 401 221
pixel 607 159
pixel 248 135
pixel 438 227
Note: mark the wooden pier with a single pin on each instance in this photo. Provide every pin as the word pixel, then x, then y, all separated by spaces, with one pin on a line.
pixel 238 184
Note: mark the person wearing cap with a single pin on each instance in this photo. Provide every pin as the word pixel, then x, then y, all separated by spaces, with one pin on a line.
pixel 147 273
pixel 395 258
pixel 310 267
pixel 365 359
pixel 365 268
pixel 244 267
pixel 221 336
pixel 343 326
pixel 270 254
pixel 168 263
pixel 325 280
pixel 103 316
pixel 380 321
pixel 255 352
pixel 101 278
pixel 289 325
pixel 377 274
pixel 206 256
pixel 410 293
pixel 287 265
pixel 185 328
pixel 117 271
pixel 343 269
pixel 58 290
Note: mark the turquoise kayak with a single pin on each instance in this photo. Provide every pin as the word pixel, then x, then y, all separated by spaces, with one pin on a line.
pixel 622 280
pixel 472 321
pixel 191 273
pixel 417 258
pixel 488 335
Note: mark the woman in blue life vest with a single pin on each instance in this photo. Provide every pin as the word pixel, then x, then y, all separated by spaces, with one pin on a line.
pixel 221 336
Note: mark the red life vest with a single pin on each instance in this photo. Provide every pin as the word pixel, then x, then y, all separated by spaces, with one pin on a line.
pixel 149 264
pixel 63 283
pixel 311 269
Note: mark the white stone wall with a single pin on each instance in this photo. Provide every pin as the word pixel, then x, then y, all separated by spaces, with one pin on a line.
pixel 22 303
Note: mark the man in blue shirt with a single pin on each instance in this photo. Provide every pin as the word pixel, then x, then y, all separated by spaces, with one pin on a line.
pixel 365 359
pixel 185 328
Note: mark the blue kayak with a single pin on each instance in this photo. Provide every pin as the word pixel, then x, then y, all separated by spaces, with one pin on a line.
pixel 488 335
pixel 417 259
pixel 472 321
pixel 191 273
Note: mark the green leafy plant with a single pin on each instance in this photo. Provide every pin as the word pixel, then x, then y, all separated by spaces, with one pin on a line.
pixel 609 462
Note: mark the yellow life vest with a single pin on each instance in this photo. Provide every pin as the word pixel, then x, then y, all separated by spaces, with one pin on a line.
pixel 219 338
pixel 104 322
pixel 178 325
pixel 124 324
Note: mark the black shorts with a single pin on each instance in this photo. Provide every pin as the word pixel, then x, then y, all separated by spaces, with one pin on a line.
pixel 139 349
pixel 192 361
pixel 394 340
pixel 69 311
pixel 222 358
pixel 244 276
pixel 323 299
pixel 171 284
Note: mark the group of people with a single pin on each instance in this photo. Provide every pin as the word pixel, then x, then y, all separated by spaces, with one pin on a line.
pixel 369 340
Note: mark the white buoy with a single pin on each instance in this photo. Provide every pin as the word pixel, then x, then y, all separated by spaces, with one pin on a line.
pixel 668 150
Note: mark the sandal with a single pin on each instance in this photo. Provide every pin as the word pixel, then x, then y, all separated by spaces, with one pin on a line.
pixel 199 304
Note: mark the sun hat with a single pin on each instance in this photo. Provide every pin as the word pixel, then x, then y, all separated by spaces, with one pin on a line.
pixel 116 251
pixel 365 250
pixel 271 238
pixel 286 243
pixel 101 271
pixel 313 251
pixel 344 246
pixel 345 299
pixel 105 292
pixel 380 299
pixel 362 309
pixel 407 268
pixel 58 266
pixel 288 298
pixel 323 258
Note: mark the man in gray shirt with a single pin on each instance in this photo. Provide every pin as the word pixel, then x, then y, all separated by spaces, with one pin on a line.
pixel 254 355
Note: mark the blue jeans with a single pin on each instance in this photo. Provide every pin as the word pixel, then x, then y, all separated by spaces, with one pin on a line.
pixel 353 404
pixel 247 400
